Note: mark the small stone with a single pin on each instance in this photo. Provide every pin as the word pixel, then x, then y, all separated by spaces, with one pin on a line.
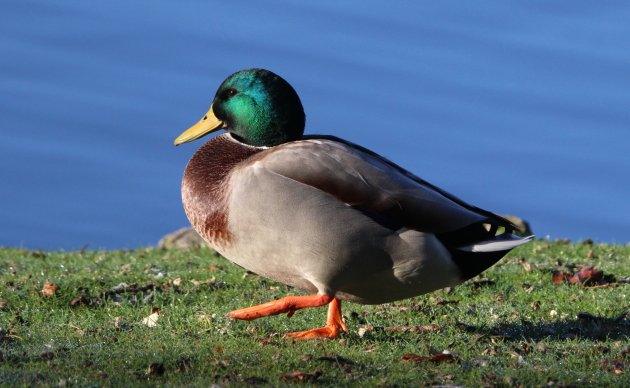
pixel 185 238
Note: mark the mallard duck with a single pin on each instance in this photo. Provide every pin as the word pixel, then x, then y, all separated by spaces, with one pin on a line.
pixel 322 214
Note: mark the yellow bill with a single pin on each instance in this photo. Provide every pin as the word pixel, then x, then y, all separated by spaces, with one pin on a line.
pixel 208 124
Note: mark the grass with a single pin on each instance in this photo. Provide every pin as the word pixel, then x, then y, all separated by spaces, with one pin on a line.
pixel 511 327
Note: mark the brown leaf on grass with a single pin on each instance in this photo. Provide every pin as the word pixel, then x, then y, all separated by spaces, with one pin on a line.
pixel 587 275
pixel 559 277
pixel 302 376
pixel 435 358
pixel 155 369
pixel 79 301
pixel 49 289
pixel 527 266
pixel 615 366
pixel 415 329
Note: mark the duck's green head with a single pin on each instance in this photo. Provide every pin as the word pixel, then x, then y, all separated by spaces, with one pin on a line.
pixel 256 106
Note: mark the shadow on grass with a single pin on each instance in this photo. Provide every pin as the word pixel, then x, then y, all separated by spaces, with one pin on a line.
pixel 584 327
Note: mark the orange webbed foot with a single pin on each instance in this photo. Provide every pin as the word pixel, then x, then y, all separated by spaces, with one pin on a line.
pixel 326 332
pixel 334 325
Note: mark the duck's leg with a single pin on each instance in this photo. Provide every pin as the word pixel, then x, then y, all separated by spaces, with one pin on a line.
pixel 289 305
pixel 334 324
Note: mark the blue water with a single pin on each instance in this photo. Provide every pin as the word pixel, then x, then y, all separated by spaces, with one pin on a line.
pixel 520 108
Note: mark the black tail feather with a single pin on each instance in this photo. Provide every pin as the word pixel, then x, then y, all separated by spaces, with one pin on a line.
pixel 471 263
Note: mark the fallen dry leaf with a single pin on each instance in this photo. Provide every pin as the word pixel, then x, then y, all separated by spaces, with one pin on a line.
pixel 302 376
pixel 155 369
pixel 527 266
pixel 151 320
pixel 558 277
pixel 587 275
pixel 79 301
pixel 436 358
pixel 615 366
pixel 49 289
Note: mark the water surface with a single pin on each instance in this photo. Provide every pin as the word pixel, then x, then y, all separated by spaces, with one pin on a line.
pixel 518 108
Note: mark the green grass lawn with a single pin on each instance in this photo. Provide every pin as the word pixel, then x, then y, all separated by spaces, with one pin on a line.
pixel 511 326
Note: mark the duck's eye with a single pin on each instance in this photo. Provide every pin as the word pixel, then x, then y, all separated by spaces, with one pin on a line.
pixel 229 92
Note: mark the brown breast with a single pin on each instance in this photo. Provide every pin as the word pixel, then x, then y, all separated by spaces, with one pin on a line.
pixel 205 190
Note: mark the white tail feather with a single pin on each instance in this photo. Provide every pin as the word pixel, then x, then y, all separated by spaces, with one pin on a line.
pixel 497 245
